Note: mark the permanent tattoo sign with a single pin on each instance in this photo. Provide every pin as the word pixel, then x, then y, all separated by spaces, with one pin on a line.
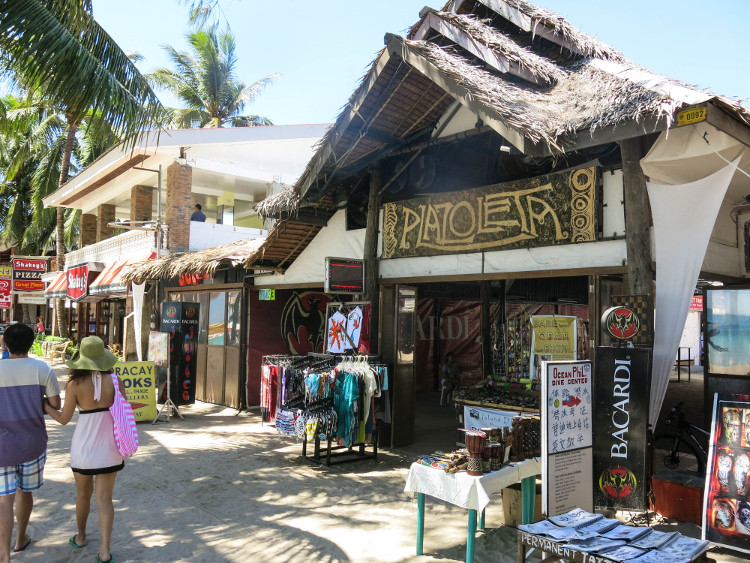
pixel 726 499
pixel 621 395
pixel 567 430
pixel 557 208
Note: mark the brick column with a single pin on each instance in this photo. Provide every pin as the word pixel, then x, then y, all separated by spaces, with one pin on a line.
pixel 179 206
pixel 87 230
pixel 141 203
pixel 105 214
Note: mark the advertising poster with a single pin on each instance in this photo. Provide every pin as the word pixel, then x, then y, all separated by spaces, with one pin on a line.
pixel 567 437
pixel 553 338
pixel 621 394
pixel 476 418
pixel 726 500
pixel 139 381
pixel 188 358
pixel 158 348
pixel 27 274
pixel 6 274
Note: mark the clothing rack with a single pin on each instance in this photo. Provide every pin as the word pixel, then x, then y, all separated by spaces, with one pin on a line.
pixel 343 454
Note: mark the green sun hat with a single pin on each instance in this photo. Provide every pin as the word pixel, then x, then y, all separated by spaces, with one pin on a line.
pixel 92 355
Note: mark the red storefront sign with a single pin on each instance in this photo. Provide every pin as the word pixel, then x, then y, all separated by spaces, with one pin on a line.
pixel 78 282
pixel 5 299
pixel 697 303
pixel 27 274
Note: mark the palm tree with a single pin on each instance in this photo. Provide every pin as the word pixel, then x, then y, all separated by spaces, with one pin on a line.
pixel 207 83
pixel 56 48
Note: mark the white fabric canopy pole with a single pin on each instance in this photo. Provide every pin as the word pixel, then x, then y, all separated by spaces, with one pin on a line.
pixel 684 217
pixel 138 291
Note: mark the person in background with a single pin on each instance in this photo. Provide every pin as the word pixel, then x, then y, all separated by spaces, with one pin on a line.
pixel 94 457
pixel 39 325
pixel 450 380
pixel 24 383
pixel 198 215
pixel 4 354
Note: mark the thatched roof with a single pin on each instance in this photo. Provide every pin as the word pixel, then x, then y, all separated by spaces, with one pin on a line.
pixel 537 81
pixel 204 262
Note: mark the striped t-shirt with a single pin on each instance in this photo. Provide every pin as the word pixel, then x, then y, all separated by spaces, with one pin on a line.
pixel 23 384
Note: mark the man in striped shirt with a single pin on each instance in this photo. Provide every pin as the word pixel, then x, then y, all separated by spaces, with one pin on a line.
pixel 24 383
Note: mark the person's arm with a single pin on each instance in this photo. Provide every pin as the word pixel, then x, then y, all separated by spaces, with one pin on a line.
pixel 64 416
pixel 54 401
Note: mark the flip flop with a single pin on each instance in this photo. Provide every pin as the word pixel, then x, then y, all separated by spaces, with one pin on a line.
pixel 25 545
pixel 72 541
pixel 110 560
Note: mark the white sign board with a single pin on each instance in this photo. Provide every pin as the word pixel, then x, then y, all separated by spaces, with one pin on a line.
pixel 476 418
pixel 567 435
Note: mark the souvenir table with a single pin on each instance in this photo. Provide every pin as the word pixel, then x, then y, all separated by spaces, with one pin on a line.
pixel 470 492
pixel 554 551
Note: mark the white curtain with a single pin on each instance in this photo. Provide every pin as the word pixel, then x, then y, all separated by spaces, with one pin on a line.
pixel 684 216
pixel 138 292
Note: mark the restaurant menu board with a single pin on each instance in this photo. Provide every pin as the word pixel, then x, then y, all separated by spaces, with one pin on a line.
pixel 621 396
pixel 553 338
pixel 567 428
pixel 726 501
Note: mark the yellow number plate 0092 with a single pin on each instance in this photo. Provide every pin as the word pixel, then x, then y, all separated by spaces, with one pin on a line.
pixel 692 115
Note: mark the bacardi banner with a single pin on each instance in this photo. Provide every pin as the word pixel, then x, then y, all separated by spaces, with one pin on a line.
pixel 27 274
pixel 6 275
pixel 553 209
pixel 726 502
pixel 180 320
pixel 621 395
pixel 78 282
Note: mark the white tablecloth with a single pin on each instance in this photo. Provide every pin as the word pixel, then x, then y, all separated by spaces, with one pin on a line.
pixel 463 490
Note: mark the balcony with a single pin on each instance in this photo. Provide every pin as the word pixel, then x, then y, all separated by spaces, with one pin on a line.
pixel 136 244
pixel 209 235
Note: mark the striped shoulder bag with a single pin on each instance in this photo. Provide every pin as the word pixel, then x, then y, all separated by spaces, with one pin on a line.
pixel 126 433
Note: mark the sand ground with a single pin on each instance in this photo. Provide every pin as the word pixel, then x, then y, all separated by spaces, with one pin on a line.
pixel 221 486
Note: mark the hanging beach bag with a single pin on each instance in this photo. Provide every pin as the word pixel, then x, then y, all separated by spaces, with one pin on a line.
pixel 126 433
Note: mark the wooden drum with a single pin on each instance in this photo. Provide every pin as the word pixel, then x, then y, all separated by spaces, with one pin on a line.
pixel 475 446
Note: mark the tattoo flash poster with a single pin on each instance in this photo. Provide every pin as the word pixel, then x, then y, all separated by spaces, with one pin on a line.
pixel 726 500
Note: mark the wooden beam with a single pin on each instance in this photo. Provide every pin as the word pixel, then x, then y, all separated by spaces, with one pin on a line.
pixel 397 47
pixel 637 217
pixel 130 163
pixel 507 275
pixel 485 289
pixel 727 124
pixel 306 217
pixel 372 291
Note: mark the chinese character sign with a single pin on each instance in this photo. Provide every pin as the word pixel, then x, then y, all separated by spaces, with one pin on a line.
pixel 568 408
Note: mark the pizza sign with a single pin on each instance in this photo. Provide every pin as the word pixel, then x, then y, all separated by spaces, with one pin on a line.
pixel 27 274
pixel 78 282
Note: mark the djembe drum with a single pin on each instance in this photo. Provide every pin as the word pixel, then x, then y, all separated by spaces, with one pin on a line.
pixel 475 446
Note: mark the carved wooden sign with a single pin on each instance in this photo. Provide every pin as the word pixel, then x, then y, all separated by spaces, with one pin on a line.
pixel 557 208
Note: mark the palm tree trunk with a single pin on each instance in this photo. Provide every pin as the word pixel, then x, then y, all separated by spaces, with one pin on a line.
pixel 62 325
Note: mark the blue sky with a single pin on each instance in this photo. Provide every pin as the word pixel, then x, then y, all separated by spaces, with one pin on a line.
pixel 323 48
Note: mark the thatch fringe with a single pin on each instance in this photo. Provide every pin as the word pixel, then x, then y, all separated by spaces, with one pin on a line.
pixel 203 262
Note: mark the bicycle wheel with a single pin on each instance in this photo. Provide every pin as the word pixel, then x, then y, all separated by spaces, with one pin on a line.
pixel 675 453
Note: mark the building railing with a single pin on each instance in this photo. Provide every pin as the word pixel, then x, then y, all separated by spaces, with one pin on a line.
pixel 130 244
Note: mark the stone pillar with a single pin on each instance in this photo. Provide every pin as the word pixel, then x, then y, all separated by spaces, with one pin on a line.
pixel 105 214
pixel 87 230
pixel 179 206
pixel 141 203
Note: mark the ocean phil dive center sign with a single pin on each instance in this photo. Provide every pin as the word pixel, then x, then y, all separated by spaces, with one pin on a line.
pixel 567 429
pixel 557 208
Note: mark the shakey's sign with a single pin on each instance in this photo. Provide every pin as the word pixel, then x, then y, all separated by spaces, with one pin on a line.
pixel 557 208
pixel 27 274
pixel 78 282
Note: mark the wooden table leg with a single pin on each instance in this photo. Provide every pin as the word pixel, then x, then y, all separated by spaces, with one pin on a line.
pixel 528 499
pixel 471 535
pixel 420 523
pixel 481 519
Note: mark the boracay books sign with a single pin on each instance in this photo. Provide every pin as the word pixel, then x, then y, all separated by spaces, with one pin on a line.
pixel 557 208
pixel 567 430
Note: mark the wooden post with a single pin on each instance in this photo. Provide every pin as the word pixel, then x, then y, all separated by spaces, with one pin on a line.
pixel 637 217
pixel 485 289
pixel 372 292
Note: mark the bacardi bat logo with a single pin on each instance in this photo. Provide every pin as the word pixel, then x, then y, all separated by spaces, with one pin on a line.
pixel 617 482
pixel 621 323
pixel 303 322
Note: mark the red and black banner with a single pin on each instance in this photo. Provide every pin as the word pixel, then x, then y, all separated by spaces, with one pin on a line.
pixel 78 282
pixel 621 394
pixel 180 320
